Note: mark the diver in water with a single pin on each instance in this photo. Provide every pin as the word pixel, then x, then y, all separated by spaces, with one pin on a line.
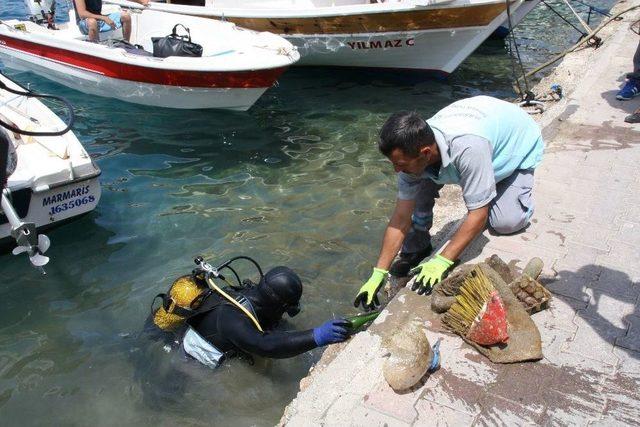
pixel 218 323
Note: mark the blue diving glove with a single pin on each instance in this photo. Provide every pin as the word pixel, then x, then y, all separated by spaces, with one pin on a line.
pixel 430 272
pixel 331 332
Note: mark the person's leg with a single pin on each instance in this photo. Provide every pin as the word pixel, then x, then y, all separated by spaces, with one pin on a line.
pixel 125 19
pixel 89 26
pixel 417 242
pixel 632 86
pixel 513 205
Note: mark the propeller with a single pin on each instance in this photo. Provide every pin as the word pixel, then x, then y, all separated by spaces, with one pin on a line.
pixel 27 238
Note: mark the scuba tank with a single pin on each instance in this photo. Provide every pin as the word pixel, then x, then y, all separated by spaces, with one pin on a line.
pixel 41 11
pixel 187 294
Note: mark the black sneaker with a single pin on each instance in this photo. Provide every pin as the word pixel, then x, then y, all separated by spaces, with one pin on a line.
pixel 405 262
pixel 633 118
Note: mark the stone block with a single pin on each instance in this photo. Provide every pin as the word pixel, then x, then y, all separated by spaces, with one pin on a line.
pixel 456 393
pixel 523 384
pixel 623 400
pixel 623 257
pixel 357 416
pixel 573 397
pixel 581 263
pixel 612 309
pixel 594 338
pixel 501 412
pixel 386 401
pixel 628 361
pixel 570 284
pixel 592 237
pixel 431 414
pixel 617 283
pixel 631 340
pixel 560 314
pixel 553 342
pixel 628 233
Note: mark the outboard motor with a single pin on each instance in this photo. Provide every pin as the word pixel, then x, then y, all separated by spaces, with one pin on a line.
pixel 41 12
pixel 27 238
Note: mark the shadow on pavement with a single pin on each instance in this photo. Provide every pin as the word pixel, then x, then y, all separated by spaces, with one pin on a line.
pixel 609 297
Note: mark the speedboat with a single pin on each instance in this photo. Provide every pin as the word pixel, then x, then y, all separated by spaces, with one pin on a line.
pixel 236 67
pixel 423 35
pixel 50 178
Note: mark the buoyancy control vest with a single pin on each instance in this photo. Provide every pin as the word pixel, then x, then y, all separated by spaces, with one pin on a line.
pixel 201 340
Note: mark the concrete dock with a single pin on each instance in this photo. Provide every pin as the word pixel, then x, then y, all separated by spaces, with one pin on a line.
pixel 586 229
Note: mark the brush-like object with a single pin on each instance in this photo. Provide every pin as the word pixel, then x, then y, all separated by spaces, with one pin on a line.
pixel 478 313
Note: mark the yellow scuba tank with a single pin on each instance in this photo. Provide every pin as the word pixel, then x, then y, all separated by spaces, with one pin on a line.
pixel 183 297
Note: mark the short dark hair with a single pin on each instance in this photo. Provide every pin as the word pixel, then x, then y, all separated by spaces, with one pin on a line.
pixel 407 131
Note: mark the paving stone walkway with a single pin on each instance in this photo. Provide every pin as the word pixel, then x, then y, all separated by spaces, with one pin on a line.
pixel 587 230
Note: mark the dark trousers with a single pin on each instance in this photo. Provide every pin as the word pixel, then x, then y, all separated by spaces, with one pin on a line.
pixel 636 60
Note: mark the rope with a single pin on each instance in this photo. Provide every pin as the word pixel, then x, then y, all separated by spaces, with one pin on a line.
pixel 29 94
pixel 564 19
pixel 581 42
pixel 526 95
pixel 584 24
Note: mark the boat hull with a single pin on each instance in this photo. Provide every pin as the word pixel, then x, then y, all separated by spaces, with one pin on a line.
pixel 440 51
pixel 59 204
pixel 102 78
pixel 385 35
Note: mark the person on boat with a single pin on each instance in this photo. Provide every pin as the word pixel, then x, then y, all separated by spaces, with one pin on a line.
pixel 487 146
pixel 213 327
pixel 91 21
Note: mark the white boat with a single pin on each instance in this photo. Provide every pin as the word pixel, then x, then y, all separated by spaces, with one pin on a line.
pixel 50 179
pixel 426 35
pixel 236 68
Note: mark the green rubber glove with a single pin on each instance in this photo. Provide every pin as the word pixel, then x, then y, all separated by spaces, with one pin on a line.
pixel 430 273
pixel 368 294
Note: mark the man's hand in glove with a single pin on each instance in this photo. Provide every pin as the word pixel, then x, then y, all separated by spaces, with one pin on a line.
pixel 429 273
pixel 368 294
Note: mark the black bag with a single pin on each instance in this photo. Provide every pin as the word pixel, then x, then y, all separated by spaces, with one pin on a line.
pixel 175 45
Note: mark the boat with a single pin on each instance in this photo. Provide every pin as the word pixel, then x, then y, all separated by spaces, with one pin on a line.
pixel 236 67
pixel 50 178
pixel 422 35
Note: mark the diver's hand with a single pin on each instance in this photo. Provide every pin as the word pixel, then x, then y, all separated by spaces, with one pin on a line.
pixel 430 273
pixel 331 332
pixel 144 2
pixel 368 293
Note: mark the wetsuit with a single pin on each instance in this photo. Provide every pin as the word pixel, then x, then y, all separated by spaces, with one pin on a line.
pixel 231 331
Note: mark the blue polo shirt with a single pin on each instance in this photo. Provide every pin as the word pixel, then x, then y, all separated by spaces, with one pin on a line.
pixel 482 140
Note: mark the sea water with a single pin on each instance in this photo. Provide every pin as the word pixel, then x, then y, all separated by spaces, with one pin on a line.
pixel 295 181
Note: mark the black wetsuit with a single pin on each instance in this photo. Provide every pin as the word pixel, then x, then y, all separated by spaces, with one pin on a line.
pixel 230 330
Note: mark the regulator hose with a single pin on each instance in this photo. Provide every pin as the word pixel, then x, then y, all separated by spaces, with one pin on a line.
pixel 27 93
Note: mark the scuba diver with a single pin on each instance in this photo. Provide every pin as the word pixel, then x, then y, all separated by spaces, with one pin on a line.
pixel 215 323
